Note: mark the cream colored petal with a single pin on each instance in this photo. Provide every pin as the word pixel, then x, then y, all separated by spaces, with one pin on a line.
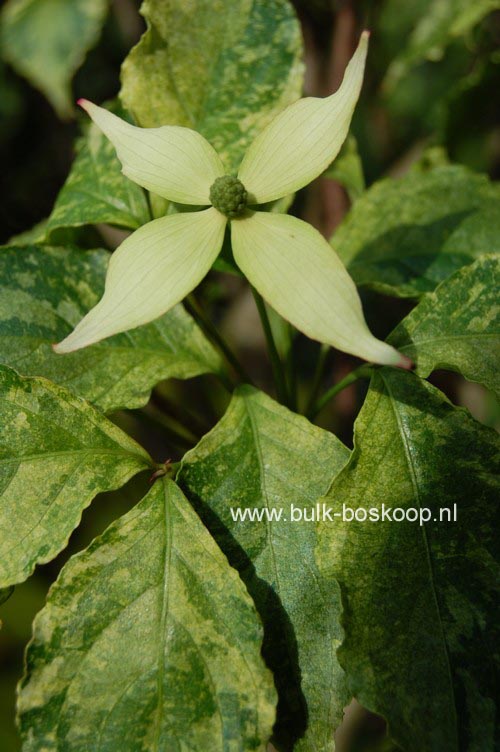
pixel 150 272
pixel 300 143
pixel 174 162
pixel 301 276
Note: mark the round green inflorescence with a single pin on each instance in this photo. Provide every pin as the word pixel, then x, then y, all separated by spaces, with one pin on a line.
pixel 229 196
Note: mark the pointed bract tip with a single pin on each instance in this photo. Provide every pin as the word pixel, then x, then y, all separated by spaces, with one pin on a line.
pixel 83 103
pixel 61 348
pixel 366 33
pixel 406 363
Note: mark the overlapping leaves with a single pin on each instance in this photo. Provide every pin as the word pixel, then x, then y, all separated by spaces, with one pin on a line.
pixel 96 191
pixel 262 457
pixel 45 291
pixel 57 453
pixel 223 70
pixel 420 637
pixel 458 326
pixel 148 641
pixel 47 40
pixel 405 236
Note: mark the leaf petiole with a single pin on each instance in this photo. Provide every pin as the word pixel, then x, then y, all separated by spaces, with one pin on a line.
pixel 363 372
pixel 276 364
pixel 196 311
pixel 317 378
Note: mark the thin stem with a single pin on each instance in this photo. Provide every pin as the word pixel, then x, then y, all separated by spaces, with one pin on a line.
pixel 276 364
pixel 180 411
pixel 172 431
pixel 362 372
pixel 196 311
pixel 317 378
pixel 175 427
pixel 291 371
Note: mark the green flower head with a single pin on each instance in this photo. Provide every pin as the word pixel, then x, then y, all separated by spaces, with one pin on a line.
pixel 290 264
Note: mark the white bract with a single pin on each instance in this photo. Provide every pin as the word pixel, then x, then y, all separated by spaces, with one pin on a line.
pixel 289 263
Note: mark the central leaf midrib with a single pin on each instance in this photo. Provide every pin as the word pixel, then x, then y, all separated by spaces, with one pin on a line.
pixel 165 599
pixel 472 335
pixel 262 475
pixel 414 482
pixel 70 452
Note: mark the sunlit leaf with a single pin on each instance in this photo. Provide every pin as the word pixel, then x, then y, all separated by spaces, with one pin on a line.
pixel 264 458
pixel 421 636
pixel 458 325
pixel 224 70
pixel 44 292
pixel 405 236
pixel 56 453
pixel 148 641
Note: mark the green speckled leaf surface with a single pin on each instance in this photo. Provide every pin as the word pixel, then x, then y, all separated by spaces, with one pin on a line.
pixel 222 67
pixel 403 237
pixel 47 40
pixel 457 326
pixel 56 453
pixel 148 642
pixel 421 645
pixel 347 169
pixel 44 294
pixel 264 457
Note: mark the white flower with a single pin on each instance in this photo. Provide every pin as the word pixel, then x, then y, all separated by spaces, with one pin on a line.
pixel 289 263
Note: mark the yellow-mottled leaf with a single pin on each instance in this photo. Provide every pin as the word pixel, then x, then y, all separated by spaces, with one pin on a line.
pixel 56 453
pixel 149 641
pixel 222 67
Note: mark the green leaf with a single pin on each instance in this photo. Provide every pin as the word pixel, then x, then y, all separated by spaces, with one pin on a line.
pixel 457 326
pixel 148 641
pixel 47 40
pixel 436 25
pixel 224 71
pixel 266 458
pixel 419 646
pixel 347 169
pixel 5 594
pixel 44 292
pixel 35 234
pixel 57 453
pixel 405 236
pixel 96 191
